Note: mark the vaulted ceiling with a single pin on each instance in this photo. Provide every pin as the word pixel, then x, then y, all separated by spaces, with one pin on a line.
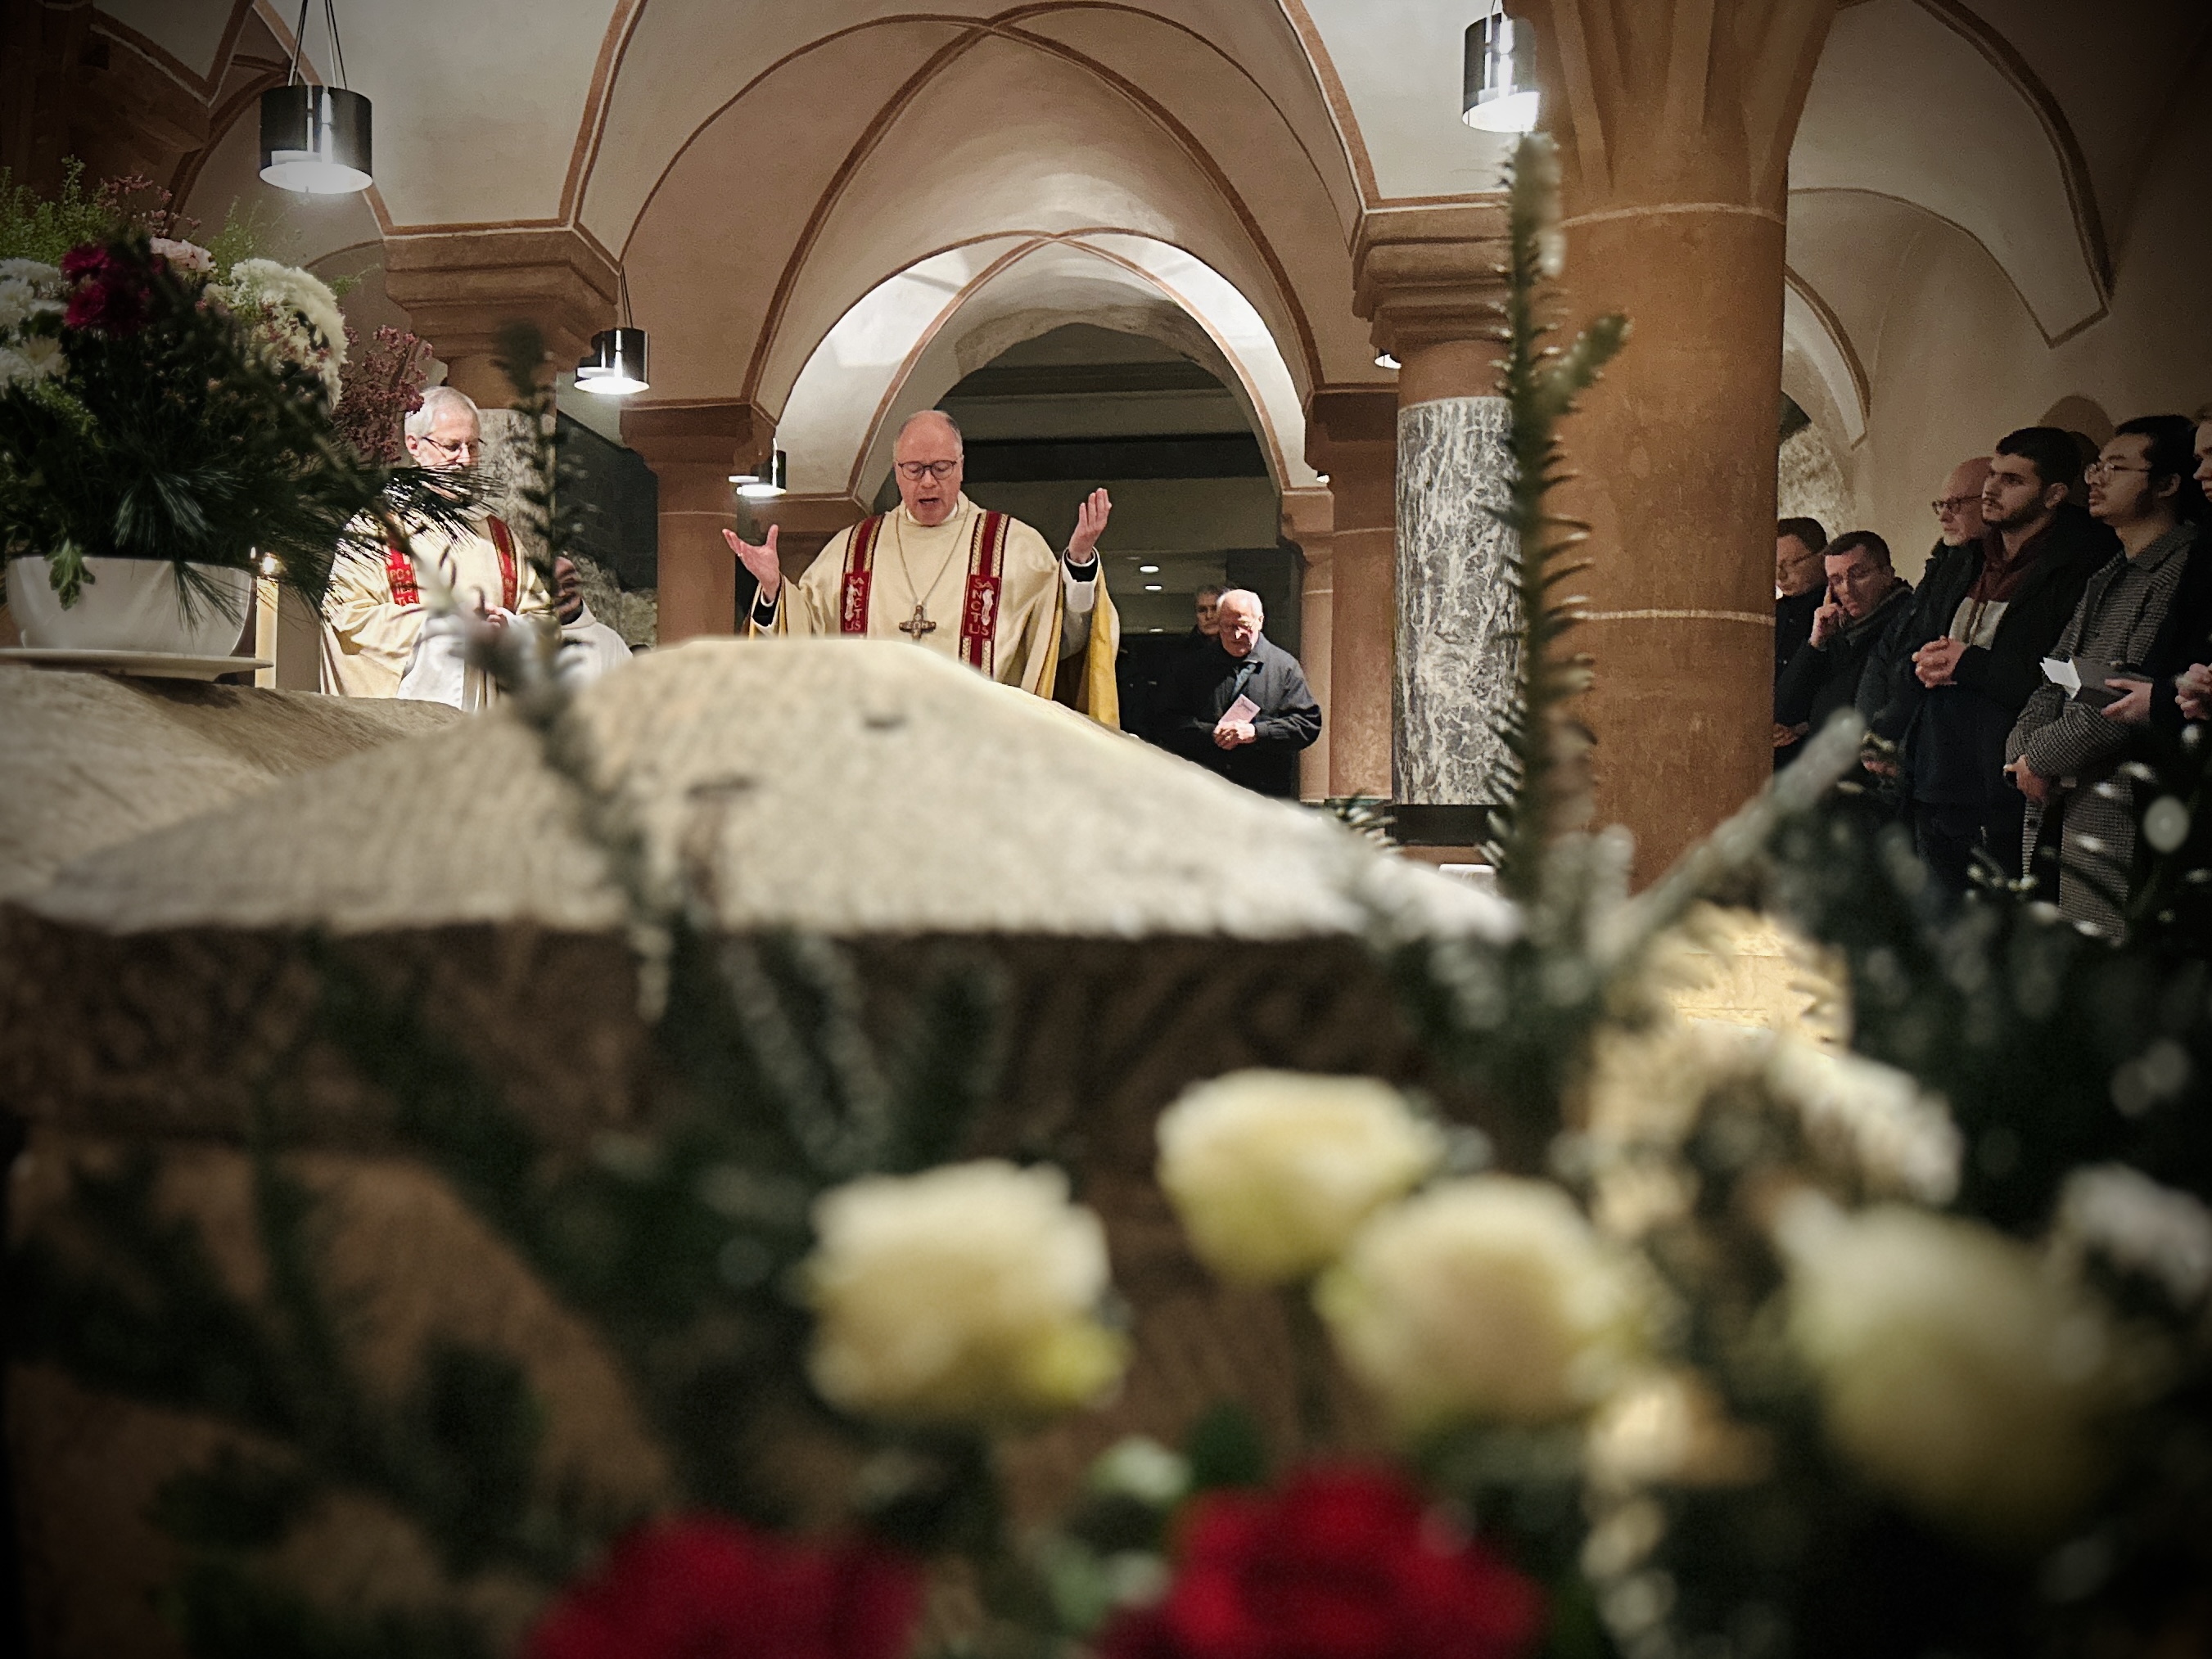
pixel 764 172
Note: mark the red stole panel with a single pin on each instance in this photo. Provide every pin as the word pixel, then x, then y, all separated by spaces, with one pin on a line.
pixel 399 568
pixel 860 572
pixel 979 616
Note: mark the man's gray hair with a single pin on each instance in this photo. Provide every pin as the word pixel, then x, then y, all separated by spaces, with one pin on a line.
pixel 437 398
pixel 959 441
pixel 1247 596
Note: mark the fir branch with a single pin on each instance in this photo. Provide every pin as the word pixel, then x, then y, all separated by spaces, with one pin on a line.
pixel 1540 387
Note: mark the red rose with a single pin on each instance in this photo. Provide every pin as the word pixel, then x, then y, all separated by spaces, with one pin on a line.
pixel 1344 1564
pixel 702 1587
pixel 110 293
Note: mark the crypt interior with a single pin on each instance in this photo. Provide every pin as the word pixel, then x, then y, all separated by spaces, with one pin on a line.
pixel 1164 247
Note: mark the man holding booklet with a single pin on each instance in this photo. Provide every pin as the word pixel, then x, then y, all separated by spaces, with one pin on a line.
pixel 2062 748
pixel 1239 705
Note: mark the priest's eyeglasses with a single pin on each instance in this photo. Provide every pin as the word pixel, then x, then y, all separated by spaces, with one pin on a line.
pixel 468 448
pixel 916 471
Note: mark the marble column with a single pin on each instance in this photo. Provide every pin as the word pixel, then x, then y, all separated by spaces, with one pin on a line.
pixel 1426 279
pixel 1674 120
pixel 1457 646
pixel 1309 519
pixel 693 448
pixel 1351 437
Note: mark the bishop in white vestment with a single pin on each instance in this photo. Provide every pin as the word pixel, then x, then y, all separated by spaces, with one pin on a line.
pixel 940 572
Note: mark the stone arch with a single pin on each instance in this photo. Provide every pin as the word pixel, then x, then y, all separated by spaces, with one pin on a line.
pixel 910 340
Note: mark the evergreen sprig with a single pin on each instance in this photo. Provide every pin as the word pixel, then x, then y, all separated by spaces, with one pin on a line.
pixel 1539 384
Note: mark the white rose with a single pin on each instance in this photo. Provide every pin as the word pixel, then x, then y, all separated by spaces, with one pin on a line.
pixel 1953 1370
pixel 1272 1172
pixel 969 1293
pixel 1901 1140
pixel 2139 1227
pixel 1489 1299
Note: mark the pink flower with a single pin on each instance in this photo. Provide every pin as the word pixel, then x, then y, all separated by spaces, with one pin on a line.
pixel 183 256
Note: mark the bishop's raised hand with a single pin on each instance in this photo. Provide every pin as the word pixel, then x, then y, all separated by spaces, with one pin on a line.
pixel 760 560
pixel 1089 525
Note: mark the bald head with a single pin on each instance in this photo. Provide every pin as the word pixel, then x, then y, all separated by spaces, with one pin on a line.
pixel 1958 508
pixel 1239 616
pixel 925 460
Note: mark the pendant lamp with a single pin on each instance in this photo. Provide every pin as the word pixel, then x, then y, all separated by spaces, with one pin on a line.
pixel 1498 93
pixel 315 139
pixel 765 480
pixel 615 366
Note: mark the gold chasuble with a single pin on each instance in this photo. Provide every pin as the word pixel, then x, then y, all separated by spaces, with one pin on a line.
pixel 981 587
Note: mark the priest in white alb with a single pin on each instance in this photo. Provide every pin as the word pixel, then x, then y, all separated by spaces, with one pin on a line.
pixel 939 572
pixel 375 637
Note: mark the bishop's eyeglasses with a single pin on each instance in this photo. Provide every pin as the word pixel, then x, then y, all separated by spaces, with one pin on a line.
pixel 916 471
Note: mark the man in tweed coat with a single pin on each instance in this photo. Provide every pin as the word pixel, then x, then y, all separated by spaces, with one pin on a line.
pixel 2063 753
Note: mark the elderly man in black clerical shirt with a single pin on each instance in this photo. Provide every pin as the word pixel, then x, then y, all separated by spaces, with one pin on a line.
pixel 1239 704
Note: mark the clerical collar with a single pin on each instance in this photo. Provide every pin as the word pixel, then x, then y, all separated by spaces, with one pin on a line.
pixel 961 506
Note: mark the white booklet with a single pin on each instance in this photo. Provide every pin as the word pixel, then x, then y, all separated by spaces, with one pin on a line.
pixel 2084 679
pixel 1237 713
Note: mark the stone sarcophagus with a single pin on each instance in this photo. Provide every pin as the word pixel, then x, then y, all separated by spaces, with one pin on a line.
pixel 1129 925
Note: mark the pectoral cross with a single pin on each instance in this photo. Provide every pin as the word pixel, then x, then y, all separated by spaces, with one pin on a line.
pixel 919 625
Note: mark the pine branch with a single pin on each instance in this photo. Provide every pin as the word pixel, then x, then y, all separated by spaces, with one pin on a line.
pixel 1540 387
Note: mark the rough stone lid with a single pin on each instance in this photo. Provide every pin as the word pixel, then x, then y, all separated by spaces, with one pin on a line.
pixel 852 788
pixel 87 761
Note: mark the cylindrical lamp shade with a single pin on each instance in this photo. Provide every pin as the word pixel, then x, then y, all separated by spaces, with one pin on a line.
pixel 315 139
pixel 1498 90
pixel 616 365
pixel 766 480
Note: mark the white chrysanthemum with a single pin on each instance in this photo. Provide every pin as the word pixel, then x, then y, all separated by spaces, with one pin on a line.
pixel 969 1293
pixel 304 325
pixel 1486 1299
pixel 36 358
pixel 1272 1172
pixel 1953 1370
pixel 2139 1226
pixel 1902 1140
pixel 44 278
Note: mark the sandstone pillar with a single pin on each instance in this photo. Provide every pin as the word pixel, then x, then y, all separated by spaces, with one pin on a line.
pixel 1675 119
pixel 459 288
pixel 1309 520
pixel 693 448
pixel 1427 280
pixel 1351 437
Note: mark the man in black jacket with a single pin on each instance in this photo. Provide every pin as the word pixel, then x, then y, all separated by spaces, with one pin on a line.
pixel 1240 704
pixel 1985 617
pixel 1866 600
pixel 1798 592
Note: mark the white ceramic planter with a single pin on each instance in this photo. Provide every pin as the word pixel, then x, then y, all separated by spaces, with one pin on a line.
pixel 131 604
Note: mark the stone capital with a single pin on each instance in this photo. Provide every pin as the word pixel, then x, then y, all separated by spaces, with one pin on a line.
pixel 693 448
pixel 1310 518
pixel 459 287
pixel 1351 437
pixel 1426 275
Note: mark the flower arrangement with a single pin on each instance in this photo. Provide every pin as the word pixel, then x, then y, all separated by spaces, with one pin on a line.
pixel 1690 1342
pixel 166 401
